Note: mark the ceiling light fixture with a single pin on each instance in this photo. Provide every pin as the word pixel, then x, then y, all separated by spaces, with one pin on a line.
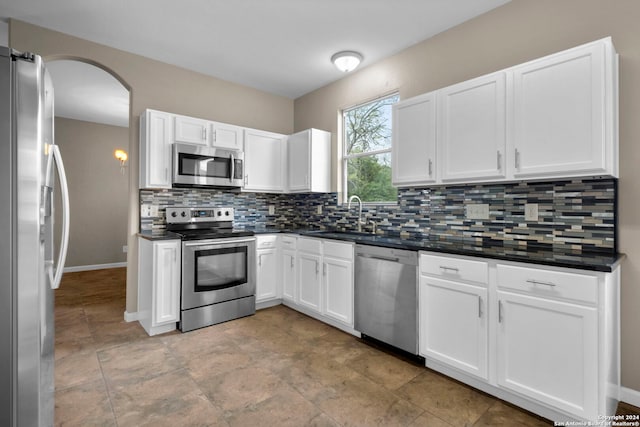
pixel 347 60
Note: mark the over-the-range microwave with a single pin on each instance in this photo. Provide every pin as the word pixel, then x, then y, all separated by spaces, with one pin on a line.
pixel 198 166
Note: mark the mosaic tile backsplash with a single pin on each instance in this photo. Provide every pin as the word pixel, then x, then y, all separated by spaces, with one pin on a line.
pixel 575 214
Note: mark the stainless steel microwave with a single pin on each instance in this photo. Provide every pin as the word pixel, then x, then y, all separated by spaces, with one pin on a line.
pixel 198 166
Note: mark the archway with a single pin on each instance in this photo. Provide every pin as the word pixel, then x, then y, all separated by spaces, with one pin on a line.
pixel 92 109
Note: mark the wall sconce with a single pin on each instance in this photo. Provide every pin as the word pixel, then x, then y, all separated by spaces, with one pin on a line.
pixel 346 60
pixel 122 156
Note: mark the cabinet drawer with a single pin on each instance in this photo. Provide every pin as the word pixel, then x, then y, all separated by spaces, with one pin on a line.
pixel 573 286
pixel 454 268
pixel 309 245
pixel 288 242
pixel 338 250
pixel 265 242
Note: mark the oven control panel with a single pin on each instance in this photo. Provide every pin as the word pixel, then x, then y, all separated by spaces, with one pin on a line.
pixel 181 215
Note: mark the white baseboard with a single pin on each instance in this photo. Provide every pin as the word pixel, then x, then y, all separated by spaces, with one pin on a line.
pixel 131 317
pixel 630 396
pixel 94 267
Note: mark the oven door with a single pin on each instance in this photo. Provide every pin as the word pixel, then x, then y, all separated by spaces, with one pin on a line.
pixel 206 166
pixel 217 270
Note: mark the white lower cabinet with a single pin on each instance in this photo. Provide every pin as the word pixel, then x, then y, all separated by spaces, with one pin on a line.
pixel 317 278
pixel 288 268
pixel 267 263
pixel 338 281
pixel 454 320
pixel 543 338
pixel 309 276
pixel 548 350
pixel 159 285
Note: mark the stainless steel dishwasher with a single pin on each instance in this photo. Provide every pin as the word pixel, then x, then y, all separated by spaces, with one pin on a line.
pixel 386 303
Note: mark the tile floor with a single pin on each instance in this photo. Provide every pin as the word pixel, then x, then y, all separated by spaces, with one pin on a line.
pixel 278 367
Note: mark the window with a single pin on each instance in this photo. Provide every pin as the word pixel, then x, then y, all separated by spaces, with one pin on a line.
pixel 367 151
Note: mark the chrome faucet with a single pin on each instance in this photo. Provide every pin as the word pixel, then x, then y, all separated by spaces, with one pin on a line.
pixel 359 210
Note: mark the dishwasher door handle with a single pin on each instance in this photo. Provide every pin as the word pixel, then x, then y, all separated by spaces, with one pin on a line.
pixel 382 258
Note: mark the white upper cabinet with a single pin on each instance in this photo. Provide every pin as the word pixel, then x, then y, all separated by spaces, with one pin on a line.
pixel 309 161
pixel 156 130
pixel 229 137
pixel 413 150
pixel 263 161
pixel 472 129
pixel 191 130
pixel 563 113
pixel 554 117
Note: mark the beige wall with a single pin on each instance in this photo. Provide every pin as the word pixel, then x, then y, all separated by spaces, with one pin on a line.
pixel 98 192
pixel 514 33
pixel 160 86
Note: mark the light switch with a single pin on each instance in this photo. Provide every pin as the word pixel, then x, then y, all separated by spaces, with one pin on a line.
pixel 319 210
pixel 272 210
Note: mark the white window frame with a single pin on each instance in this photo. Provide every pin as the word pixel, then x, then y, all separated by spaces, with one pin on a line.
pixel 346 157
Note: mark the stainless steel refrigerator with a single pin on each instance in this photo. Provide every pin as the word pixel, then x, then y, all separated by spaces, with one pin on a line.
pixel 28 271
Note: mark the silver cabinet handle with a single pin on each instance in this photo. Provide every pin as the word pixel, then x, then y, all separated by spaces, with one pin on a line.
pixel 430 167
pixel 246 179
pixel 499 311
pixel 537 282
pixel 445 268
pixel 292 263
pixel 166 174
pixel 259 260
pixel 517 159
pixel 479 306
pixel 317 268
pixel 499 160
pixel 233 168
pixel 204 134
pixel 324 269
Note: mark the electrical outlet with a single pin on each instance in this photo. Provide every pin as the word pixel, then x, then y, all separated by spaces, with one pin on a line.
pixel 272 210
pixel 145 211
pixel 319 210
pixel 530 211
pixel 125 249
pixel 477 211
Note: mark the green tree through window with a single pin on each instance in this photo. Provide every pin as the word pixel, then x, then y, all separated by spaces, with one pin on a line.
pixel 367 151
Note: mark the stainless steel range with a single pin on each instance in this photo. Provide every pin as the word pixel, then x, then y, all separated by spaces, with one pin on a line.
pixel 218 266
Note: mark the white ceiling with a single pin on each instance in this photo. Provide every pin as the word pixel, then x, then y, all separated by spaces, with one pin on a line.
pixel 278 46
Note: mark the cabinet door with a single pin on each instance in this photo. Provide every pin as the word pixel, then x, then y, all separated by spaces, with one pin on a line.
pixel 289 275
pixel 191 130
pixel 229 137
pixel 413 150
pixel 309 280
pixel 263 161
pixel 548 350
pixel 338 289
pixel 299 161
pixel 559 114
pixel 155 149
pixel 267 275
pixel 472 129
pixel 453 324
pixel 166 283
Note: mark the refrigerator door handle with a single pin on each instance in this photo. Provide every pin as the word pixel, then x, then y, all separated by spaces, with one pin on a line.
pixel 56 277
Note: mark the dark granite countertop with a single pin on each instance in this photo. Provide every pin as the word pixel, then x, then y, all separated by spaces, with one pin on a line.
pixel 161 234
pixel 570 259
pixel 592 261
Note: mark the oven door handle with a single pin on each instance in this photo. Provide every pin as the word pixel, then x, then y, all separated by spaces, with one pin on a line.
pixel 209 242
